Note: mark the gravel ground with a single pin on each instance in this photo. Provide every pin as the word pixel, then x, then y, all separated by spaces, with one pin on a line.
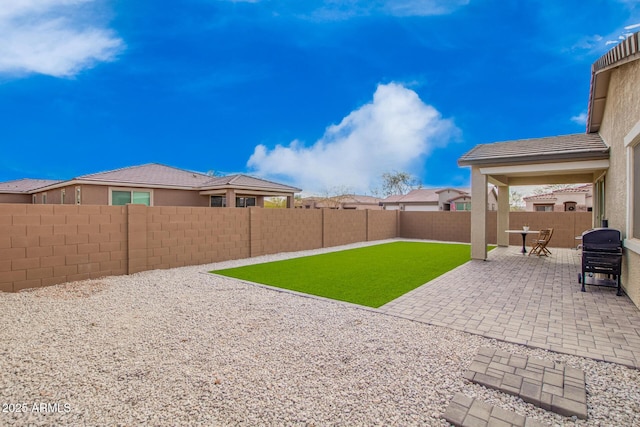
pixel 179 347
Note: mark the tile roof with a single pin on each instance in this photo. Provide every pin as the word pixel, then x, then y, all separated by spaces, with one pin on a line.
pixel 154 174
pixel 24 185
pixel 546 196
pixel 355 198
pixel 150 174
pixel 586 188
pixel 462 196
pixel 459 190
pixel 245 181
pixel 421 195
pixel 555 148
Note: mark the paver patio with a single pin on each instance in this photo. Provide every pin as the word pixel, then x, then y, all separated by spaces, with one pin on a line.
pixel 530 300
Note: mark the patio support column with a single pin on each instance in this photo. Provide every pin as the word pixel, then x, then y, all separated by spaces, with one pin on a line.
pixel 231 198
pixel 478 214
pixel 503 215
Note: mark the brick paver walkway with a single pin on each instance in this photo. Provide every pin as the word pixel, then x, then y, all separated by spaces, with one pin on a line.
pixel 465 411
pixel 535 301
pixel 548 385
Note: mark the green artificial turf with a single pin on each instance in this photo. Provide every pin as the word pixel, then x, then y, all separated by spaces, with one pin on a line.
pixel 370 276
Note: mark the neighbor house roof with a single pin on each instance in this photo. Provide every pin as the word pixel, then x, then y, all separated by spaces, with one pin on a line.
pixel 152 175
pixel 462 196
pixel 421 195
pixel 24 185
pixel 459 190
pixel 552 195
pixel 580 146
pixel 355 198
pixel 245 181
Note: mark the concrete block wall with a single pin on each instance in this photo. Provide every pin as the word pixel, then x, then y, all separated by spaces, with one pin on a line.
pixel 382 224
pixel 43 245
pixel 342 227
pixel 566 226
pixel 285 230
pixel 180 236
pixel 444 226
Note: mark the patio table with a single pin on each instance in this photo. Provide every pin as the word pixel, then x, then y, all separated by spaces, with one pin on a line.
pixel 524 236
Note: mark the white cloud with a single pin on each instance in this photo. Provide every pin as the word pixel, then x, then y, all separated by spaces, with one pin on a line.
pixel 341 9
pixel 396 131
pixel 580 119
pixel 49 37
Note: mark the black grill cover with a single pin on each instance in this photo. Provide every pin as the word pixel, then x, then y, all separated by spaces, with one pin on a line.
pixel 601 239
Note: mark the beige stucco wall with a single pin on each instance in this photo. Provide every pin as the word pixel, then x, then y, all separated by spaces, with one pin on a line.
pixel 582 202
pixel 166 197
pixel 15 198
pixel 621 113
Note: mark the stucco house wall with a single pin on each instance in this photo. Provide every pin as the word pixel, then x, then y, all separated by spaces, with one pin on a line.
pixel 15 198
pixel 621 114
pixel 558 200
pixel 421 208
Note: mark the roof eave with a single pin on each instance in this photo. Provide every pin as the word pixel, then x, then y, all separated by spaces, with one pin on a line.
pixel 547 158
pixel 623 53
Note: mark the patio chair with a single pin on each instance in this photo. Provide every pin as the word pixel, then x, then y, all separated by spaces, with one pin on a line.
pixel 539 245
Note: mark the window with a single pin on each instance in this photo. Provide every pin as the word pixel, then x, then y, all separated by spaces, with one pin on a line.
pixel 463 206
pixel 44 198
pixel 245 202
pixel 632 146
pixel 62 194
pixel 241 202
pixel 34 199
pixel 543 208
pixel 78 195
pixel 123 197
pixel 218 202
pixel 635 199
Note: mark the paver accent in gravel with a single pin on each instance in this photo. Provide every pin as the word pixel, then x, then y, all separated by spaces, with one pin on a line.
pixel 548 385
pixel 465 411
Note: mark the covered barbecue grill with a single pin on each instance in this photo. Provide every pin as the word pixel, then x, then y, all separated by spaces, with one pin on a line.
pixel 602 255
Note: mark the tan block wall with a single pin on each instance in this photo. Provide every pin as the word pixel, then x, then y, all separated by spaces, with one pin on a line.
pixel 43 245
pixel 443 226
pixel 180 236
pixel 566 226
pixel 342 227
pixel 285 230
pixel 382 224
pixel 456 226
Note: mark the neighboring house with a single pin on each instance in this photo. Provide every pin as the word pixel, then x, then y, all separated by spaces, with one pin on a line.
pixel 152 185
pixel 19 190
pixel 347 201
pixel 607 155
pixel 434 200
pixel 578 199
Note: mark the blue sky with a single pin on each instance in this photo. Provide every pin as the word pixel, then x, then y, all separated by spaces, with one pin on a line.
pixel 317 94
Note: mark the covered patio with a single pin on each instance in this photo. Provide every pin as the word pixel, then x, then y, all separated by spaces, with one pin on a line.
pixel 531 301
pixel 566 159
